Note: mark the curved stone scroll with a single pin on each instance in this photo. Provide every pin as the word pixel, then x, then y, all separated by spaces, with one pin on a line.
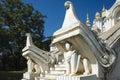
pixel 83 39
pixel 109 55
pixel 40 57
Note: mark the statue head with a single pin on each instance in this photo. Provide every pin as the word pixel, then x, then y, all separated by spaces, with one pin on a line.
pixel 67 4
pixel 28 57
pixel 68 45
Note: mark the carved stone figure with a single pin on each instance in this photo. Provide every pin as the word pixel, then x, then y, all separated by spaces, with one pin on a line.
pixel 37 69
pixel 109 55
pixel 85 52
pixel 72 61
pixel 30 65
pixel 86 66
pixel 33 67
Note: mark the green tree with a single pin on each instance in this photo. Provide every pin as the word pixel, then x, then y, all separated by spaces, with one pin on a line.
pixel 16 19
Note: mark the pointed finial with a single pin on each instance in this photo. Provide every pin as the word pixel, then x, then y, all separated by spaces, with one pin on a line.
pixel 87 16
pixel 97 15
pixel 103 9
pixel 103 12
pixel 117 0
pixel 87 21
pixel 67 4
pixel 70 16
pixel 29 40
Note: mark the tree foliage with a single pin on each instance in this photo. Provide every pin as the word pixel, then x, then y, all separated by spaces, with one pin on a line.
pixel 16 19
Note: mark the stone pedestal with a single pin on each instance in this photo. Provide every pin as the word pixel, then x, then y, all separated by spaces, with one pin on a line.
pixel 29 76
pixel 88 77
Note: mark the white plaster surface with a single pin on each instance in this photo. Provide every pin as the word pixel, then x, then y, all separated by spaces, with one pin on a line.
pixel 88 77
pixel 85 50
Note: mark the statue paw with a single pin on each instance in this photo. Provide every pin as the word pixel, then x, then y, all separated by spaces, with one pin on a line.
pixel 86 73
pixel 72 74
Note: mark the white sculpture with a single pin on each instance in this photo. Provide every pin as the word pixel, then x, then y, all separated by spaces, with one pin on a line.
pixel 37 69
pixel 30 65
pixel 72 61
pixel 85 53
pixel 86 66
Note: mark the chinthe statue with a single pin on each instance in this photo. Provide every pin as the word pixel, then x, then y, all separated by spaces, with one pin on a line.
pixel 72 60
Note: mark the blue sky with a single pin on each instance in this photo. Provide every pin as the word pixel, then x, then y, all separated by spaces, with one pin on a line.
pixel 55 11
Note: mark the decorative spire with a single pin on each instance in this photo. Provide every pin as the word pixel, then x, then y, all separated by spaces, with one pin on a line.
pixel 103 9
pixel 103 12
pixel 117 0
pixel 97 16
pixel 29 40
pixel 70 17
pixel 88 21
pixel 70 23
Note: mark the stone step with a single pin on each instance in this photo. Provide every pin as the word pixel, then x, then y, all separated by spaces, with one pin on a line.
pixel 37 78
pixel 87 77
pixel 57 72
pixel 52 68
pixel 24 79
pixel 42 75
pixel 59 68
pixel 44 78
pixel 51 76
pixel 47 78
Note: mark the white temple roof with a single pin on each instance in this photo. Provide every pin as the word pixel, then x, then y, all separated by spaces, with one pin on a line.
pixel 69 26
pixel 70 19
